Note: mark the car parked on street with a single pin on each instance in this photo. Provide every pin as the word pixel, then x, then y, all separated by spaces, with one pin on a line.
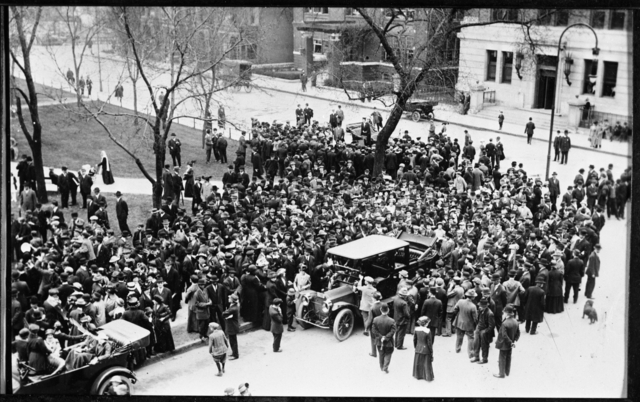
pixel 94 379
pixel 377 256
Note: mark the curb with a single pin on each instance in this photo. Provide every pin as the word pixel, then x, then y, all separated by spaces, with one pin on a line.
pixel 457 123
pixel 185 347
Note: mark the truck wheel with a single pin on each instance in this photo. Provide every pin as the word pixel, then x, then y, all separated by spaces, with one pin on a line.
pixel 343 324
pixel 415 116
pixel 300 312
pixel 106 384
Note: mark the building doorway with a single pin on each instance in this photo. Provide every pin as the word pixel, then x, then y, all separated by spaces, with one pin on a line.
pixel 546 89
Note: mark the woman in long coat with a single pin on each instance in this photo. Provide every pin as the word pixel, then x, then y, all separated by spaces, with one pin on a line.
pixel 105 166
pixel 189 180
pixel 192 321
pixel 162 326
pixel 250 293
pixel 554 300
pixel 423 359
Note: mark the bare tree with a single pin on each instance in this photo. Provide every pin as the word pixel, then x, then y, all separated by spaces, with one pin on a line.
pixel 184 25
pixel 26 21
pixel 431 29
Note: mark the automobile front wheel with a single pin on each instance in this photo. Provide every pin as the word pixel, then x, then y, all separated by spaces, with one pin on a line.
pixel 415 116
pixel 123 387
pixel 301 311
pixel 343 324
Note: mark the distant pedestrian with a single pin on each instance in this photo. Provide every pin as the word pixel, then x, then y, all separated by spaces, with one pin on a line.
pixel 565 146
pixel 222 118
pixel 202 304
pixel 232 324
pixel 556 146
pixel 277 327
pixel 81 84
pixel 303 81
pixel 484 332
pixel 70 77
pixel 218 346
pixel 174 145
pixel 340 115
pixel 528 129
pixel 402 316
pixel 208 145
pixel 89 85
pixel 466 314
pixel 500 119
pixel 423 343
pixel 221 145
pixel 467 138
pixel 384 329
pixel 508 335
pixel 308 114
pixel 534 306
pixel 119 92
pixel 593 270
pixel 122 213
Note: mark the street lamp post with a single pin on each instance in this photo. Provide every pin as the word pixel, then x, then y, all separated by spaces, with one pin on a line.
pixel 596 51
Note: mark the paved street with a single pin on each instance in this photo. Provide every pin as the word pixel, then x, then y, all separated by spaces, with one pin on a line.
pixel 314 363
pixel 568 358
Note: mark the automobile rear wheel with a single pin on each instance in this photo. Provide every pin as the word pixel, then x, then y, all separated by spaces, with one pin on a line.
pixel 415 116
pixel 343 324
pixel 301 311
pixel 247 87
pixel 107 388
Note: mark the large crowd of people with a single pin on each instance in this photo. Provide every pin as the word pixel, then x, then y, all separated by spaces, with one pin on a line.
pixel 509 246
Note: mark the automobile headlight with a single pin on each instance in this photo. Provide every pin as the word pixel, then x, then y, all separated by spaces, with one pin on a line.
pixel 326 306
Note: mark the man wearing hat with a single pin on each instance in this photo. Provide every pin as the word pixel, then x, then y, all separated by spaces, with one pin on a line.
pixel 276 323
pixel 534 306
pixel 366 300
pixel 507 337
pixel 402 316
pixel 593 270
pixel 202 303
pixel 122 213
pixel 217 295
pixel 466 314
pixel 432 308
pixel 231 317
pixel 499 296
pixel 484 333
pixel 455 294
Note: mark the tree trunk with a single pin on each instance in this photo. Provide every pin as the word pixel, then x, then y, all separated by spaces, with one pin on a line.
pixel 206 124
pixel 386 131
pixel 160 152
pixel 41 187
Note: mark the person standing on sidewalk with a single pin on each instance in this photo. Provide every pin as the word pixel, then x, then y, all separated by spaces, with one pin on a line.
pixel 276 324
pixel 507 337
pixel 465 322
pixel 593 270
pixel 528 129
pixel 366 300
pixel 308 114
pixel 122 213
pixel 401 315
pixel 221 145
pixel 499 152
pixel 375 313
pixel 174 145
pixel 232 324
pixel 81 84
pixel 303 81
pixel 556 146
pixel 89 85
pixel 573 273
pixel 384 330
pixel 484 333
pixel 208 145
pixel 340 115
pixel 554 190
pixel 565 146
pixel 500 119
pixel 534 305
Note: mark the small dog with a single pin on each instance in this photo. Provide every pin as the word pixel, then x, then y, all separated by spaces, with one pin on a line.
pixel 590 312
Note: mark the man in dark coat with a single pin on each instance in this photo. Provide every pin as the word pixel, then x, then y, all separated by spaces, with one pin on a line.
pixel 221 144
pixel 365 131
pixel 64 188
pixel 217 295
pixel 73 187
pixel 232 323
pixel 507 337
pixel 485 331
pixel 573 273
pixel 277 328
pixel 534 306
pixel 172 279
pixel 528 129
pixel 86 181
pixel 122 213
pixel 402 316
pixel 432 308
pixel 384 329
pixel 554 190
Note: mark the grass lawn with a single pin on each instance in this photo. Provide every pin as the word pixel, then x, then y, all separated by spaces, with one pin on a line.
pixel 46 92
pixel 72 138
pixel 139 207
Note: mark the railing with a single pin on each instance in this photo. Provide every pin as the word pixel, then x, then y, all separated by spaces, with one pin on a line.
pixel 489 97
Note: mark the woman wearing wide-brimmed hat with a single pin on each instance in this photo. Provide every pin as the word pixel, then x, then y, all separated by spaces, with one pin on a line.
pixel 422 362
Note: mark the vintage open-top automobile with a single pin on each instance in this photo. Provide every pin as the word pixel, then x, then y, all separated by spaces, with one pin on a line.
pixel 380 257
pixel 93 379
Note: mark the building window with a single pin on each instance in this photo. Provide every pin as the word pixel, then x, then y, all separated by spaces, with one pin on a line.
pixel 590 68
pixel 507 67
pixel 617 19
pixel 349 11
pixel 324 10
pixel 317 46
pixel 504 14
pixel 598 18
pixel 553 17
pixel 610 78
pixel 492 59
